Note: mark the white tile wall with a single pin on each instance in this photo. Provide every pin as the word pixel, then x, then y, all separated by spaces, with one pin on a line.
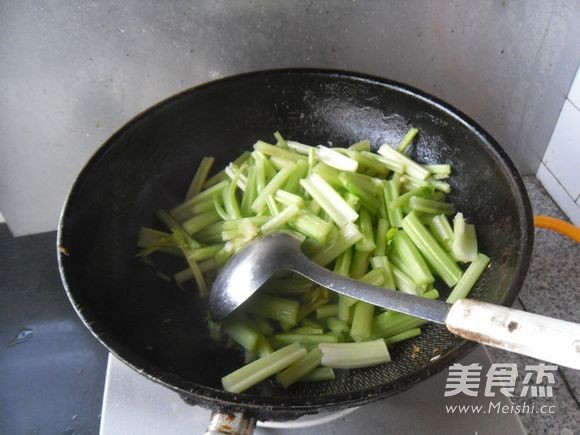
pixel 574 92
pixel 570 207
pixel 559 171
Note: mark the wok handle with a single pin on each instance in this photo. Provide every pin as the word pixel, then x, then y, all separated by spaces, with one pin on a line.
pixel 230 423
pixel 540 337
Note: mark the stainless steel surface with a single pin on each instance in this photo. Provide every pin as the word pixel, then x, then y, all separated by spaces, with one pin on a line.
pixel 134 405
pixel 71 73
pixel 234 424
pixel 250 268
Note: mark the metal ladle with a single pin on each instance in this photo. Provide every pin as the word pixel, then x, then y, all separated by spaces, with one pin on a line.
pixel 541 337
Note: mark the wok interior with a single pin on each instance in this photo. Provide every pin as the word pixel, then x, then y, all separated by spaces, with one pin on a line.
pixel 157 327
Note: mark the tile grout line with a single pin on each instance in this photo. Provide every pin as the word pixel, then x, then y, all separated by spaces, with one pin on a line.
pixel 545 163
pixel 562 374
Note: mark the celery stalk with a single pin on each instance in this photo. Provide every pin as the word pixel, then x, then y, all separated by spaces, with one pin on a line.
pixel 240 329
pixel 280 219
pixel 262 368
pixel 381 238
pixel 469 278
pixel 272 150
pixel 382 263
pixel 464 247
pixel 411 167
pixel 367 243
pixel 330 201
pixel 409 254
pixel 425 205
pixel 285 339
pixel 442 231
pixel 201 221
pixel 362 321
pixel 250 193
pixel 299 368
pixel 273 307
pixel 330 310
pixel 319 374
pixel 270 189
pixel 336 160
pixel 441 261
pixel 407 139
pixel 348 235
pixel 354 355
pixel 402 336
pixel 199 177
pixel 336 325
pixel 363 145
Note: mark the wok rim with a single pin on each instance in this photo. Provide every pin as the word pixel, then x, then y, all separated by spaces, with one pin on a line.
pixel 280 407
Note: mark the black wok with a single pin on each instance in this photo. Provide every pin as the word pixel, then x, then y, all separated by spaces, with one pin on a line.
pixel 159 329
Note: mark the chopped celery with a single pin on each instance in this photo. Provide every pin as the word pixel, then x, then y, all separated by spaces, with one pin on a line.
pixel 280 219
pixel 425 205
pixel 293 183
pixel 367 243
pixel 362 321
pixel 307 330
pixel 199 177
pixel 382 263
pixel 311 226
pixel 404 199
pixel 464 247
pixel 360 264
pixel 327 311
pixel 381 238
pixel 402 336
pixel 411 167
pixel 186 240
pixel 330 201
pixel 240 329
pixel 201 196
pixel 363 145
pixel 348 235
pixel 272 150
pixel 390 194
pixel 439 169
pixel 270 189
pixel 262 368
pixel 407 139
pixel 300 148
pixel 442 231
pixel 284 339
pixel 469 278
pixel 198 276
pixel 280 141
pixel 201 254
pixel 409 254
pixel 236 176
pixel 287 198
pixel 354 355
pixel 250 192
pixel 336 325
pixel 273 307
pixel 389 164
pixel 221 175
pixel 263 325
pixel 336 160
pixel 300 368
pixel 441 261
pixel 404 283
pixel 350 208
pixel 319 374
pixel 200 221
